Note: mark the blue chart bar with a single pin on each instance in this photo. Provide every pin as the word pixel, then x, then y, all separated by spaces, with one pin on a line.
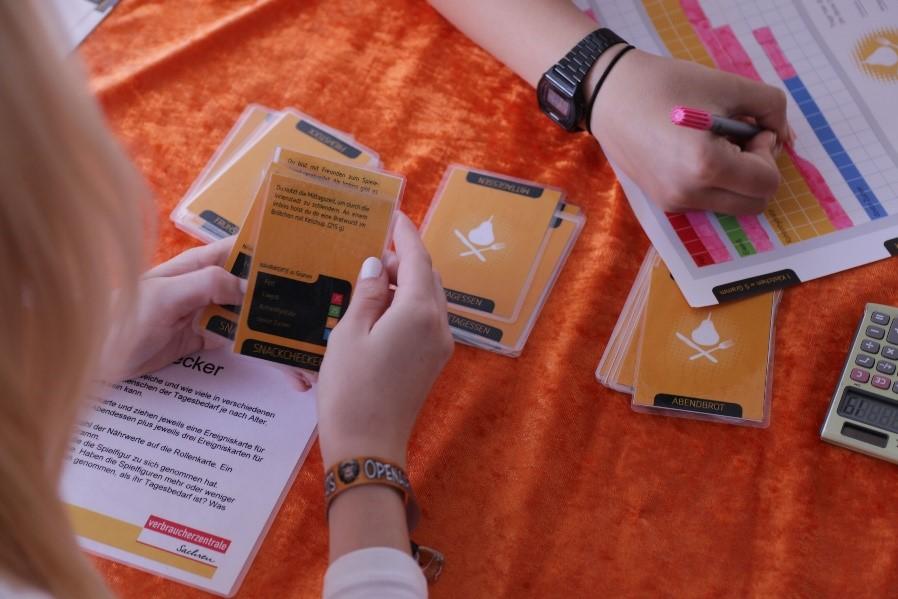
pixel 833 146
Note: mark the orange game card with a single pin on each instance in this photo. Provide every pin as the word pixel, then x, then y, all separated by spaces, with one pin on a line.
pixel 486 233
pixel 221 320
pixel 509 338
pixel 224 199
pixel 311 242
pixel 617 368
pixel 253 119
pixel 711 362
pixel 376 183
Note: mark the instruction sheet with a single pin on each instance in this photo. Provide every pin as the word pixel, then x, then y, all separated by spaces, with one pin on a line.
pixel 181 471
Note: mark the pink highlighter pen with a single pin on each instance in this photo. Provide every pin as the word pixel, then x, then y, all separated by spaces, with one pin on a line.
pixel 700 119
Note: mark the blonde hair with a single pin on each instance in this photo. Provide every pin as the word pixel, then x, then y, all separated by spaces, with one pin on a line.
pixel 72 229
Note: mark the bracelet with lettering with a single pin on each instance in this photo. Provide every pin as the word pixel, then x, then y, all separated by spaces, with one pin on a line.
pixel 360 471
pixel 357 472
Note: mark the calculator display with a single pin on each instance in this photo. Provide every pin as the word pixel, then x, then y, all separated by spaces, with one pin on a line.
pixel 869 409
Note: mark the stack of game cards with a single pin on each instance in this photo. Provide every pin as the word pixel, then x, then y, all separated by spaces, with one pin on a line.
pixel 707 363
pixel 216 203
pixel 310 224
pixel 499 244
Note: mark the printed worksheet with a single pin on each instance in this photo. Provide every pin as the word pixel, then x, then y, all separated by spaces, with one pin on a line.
pixel 181 471
pixel 80 17
pixel 837 206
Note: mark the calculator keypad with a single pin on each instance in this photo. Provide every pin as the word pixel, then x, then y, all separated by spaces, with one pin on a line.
pixel 885 367
pixel 880 318
pixel 881 382
pixel 865 361
pixel 893 333
pixel 880 339
pixel 862 413
pixel 861 376
pixel 876 332
pixel 870 346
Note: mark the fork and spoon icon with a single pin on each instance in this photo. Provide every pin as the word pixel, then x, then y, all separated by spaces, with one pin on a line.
pixel 702 352
pixel 481 235
pixel 705 340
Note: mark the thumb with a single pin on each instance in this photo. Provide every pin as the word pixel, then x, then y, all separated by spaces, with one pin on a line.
pixel 766 146
pixel 370 297
pixel 187 293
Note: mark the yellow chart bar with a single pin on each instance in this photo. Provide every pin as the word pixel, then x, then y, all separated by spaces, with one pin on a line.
pixel 676 32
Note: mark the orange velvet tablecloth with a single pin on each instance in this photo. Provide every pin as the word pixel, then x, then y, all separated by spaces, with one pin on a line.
pixel 535 480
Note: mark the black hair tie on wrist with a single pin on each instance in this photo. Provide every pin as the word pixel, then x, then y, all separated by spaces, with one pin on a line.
pixel 595 92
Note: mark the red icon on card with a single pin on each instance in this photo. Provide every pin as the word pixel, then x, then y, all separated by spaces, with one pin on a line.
pixel 337 299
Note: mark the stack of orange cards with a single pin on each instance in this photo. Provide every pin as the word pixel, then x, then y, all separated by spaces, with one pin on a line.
pixel 309 225
pixel 216 203
pixel 499 244
pixel 706 363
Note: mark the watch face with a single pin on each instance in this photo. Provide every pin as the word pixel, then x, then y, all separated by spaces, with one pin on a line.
pixel 556 104
pixel 559 104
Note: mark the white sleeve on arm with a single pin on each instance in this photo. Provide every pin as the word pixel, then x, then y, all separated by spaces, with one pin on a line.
pixel 375 573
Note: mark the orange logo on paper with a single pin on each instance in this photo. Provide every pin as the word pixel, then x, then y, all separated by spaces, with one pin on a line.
pixel 877 54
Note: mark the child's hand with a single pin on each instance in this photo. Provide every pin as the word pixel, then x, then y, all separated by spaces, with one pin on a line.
pixel 685 169
pixel 169 298
pixel 384 355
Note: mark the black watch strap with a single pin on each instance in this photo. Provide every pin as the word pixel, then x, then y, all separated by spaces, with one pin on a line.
pixel 560 90
pixel 576 64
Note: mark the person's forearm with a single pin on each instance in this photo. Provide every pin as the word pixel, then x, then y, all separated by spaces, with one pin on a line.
pixel 529 36
pixel 369 516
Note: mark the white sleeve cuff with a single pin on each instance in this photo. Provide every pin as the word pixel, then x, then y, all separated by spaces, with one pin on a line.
pixel 375 573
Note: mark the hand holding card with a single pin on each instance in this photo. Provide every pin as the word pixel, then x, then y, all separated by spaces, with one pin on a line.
pixel 170 295
pixel 311 239
pixel 372 412
pixel 221 320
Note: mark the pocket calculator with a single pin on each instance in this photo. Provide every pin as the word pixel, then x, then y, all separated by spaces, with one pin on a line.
pixel 863 413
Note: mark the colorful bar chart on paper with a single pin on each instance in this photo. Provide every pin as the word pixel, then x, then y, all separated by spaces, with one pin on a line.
pixel 837 203
pixel 795 213
pixel 819 124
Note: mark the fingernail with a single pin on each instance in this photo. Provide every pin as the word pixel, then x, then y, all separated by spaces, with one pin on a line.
pixel 243 285
pixel 371 268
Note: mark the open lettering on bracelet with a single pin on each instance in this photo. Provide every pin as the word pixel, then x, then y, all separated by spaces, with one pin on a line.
pixel 377 470
pixel 371 470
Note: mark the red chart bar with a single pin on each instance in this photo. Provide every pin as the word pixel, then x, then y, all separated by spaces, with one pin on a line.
pixel 690 239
